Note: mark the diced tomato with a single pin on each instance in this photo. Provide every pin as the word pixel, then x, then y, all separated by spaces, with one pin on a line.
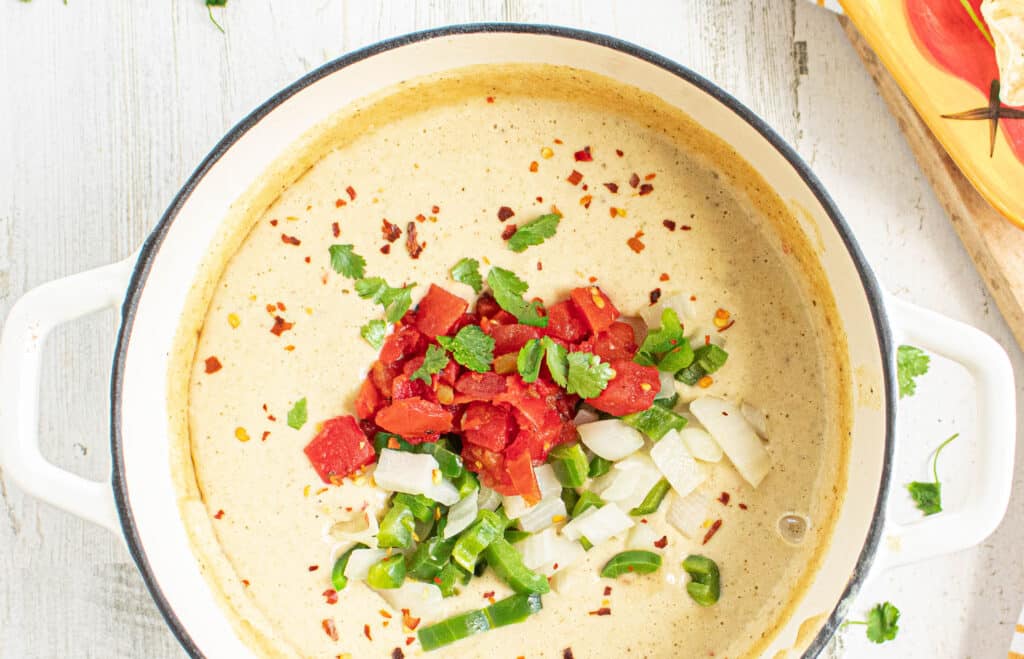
pixel 438 312
pixel 414 416
pixel 404 342
pixel 465 320
pixel 383 375
pixel 565 322
pixel 503 317
pixel 510 338
pixel 631 390
pixel 368 400
pixel 480 386
pixel 489 465
pixel 486 306
pixel 541 425
pixel 519 467
pixel 450 373
pixel 616 342
pixel 339 449
pixel 595 306
pixel 404 387
pixel 487 425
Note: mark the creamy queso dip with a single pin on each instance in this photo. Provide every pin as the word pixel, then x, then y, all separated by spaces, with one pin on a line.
pixel 454 150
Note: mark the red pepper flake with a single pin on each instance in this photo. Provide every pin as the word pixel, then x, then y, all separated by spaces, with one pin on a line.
pixel 567 654
pixel 669 224
pixel 338 203
pixel 612 187
pixel 693 298
pixel 280 326
pixel 489 594
pixel 213 365
pixel 661 544
pixel 685 227
pixel 707 339
pixel 607 591
pixel 585 187
pixel 273 223
pixel 271 417
pixel 351 192
pixel 330 629
pixel 408 621
pixel 540 266
pixel 613 211
pixel 366 632
pixel 245 582
pixel 335 229
pixel 534 166
pixel 271 308
pixel 712 531
pixel 540 200
pixel 663 277
pixel 385 249
pixel 290 240
pixel 490 99
pixel 575 177
pixel 646 189
pixel 634 180
pixel 583 155
pixel 635 243
pixel 603 611
pixel 643 520
pixel 435 209
pixel 585 200
pixel 743 506
pixel 307 259
pixel 409 640
pixel 411 245
pixel 592 279
pixel 558 141
pixel 384 613
pixel 219 515
pixel 618 152
pixel 281 307
pixel 391 232
pixel 650 177
pixel 508 231
pixel 397 652
pixel 266 433
pixel 314 568
pixel 654 296
pixel 504 213
pixel 727 326
pixel 331 595
pixel 723 498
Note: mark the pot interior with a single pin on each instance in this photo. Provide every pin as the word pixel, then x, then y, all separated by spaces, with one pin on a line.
pixel 146 453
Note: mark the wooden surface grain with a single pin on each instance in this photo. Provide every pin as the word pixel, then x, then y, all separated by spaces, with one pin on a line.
pixel 105 108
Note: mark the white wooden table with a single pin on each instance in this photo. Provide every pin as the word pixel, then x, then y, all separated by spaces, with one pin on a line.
pixel 106 107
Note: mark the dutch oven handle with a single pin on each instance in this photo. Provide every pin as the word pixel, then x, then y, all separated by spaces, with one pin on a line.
pixel 975 518
pixel 21 349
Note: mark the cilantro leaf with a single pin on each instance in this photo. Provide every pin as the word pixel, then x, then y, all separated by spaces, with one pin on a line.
pixel 396 301
pixel 433 362
pixel 373 332
pixel 508 292
pixel 528 362
pixel 881 623
pixel 467 271
pixel 911 362
pixel 534 232
pixel 588 375
pixel 928 496
pixel 297 415
pixel 661 340
pixel 346 262
pixel 557 358
pixel 470 347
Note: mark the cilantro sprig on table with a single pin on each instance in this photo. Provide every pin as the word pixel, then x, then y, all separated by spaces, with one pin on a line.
pixel 467 271
pixel 534 232
pixel 579 373
pixel 298 415
pixel 374 332
pixel 927 496
pixel 434 361
pixel 471 347
pixel 911 363
pixel 396 301
pixel 881 623
pixel 508 290
pixel 346 262
pixel 210 4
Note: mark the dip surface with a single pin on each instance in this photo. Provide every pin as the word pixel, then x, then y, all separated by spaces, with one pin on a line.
pixel 453 151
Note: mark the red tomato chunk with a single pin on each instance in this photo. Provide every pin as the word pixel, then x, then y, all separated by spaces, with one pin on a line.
pixel 414 416
pixel 438 312
pixel 339 449
pixel 631 390
pixel 595 306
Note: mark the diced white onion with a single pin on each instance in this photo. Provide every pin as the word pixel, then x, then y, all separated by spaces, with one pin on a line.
pixel 362 527
pixel 549 511
pixel 598 524
pixel 573 580
pixel 629 481
pixel 423 600
pixel 675 462
pixel 400 471
pixel 515 506
pixel 701 444
pixel 756 418
pixel 489 499
pixel 462 514
pixel 443 492
pixel 688 514
pixel 585 414
pixel 642 537
pixel 684 307
pixel 361 560
pixel 698 334
pixel 668 385
pixel 548 552
pixel 611 439
pixel 736 437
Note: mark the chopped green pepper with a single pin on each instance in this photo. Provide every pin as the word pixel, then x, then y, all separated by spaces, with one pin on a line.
pixel 655 421
pixel 449 463
pixel 570 464
pixel 422 507
pixel 388 574
pixel 466 482
pixel 677 358
pixel 710 357
pixel 513 610
pixel 599 467
pixel 430 557
pixel 508 611
pixel 668 403
pixel 569 497
pixel 486 529
pixel 587 500
pixel 396 527
pixel 653 500
pixel 508 565
pixel 704 586
pixel 514 535
pixel 383 440
pixel 446 578
pixel 635 561
pixel 338 578
pixel 663 339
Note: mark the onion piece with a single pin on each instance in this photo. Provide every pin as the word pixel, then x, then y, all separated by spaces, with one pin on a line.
pixel 756 418
pixel 698 334
pixel 668 385
pixel 642 537
pixel 688 514
pixel 515 506
pixel 361 560
pixel 585 414
pixel 548 552
pixel 628 482
pixel 443 492
pixel 611 438
pixel 423 600
pixel 462 514
pixel 737 438
pixel 362 526
pixel 400 471
pixel 701 444
pixel 674 460
pixel 488 499
pixel 684 307
pixel 549 511
pixel 598 524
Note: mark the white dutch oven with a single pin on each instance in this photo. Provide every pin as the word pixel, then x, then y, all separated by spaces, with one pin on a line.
pixel 140 500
